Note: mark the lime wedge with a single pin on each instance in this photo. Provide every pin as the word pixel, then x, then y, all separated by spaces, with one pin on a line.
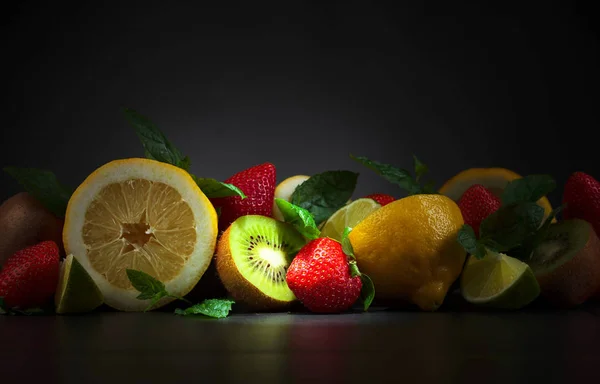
pixel 498 281
pixel 76 292
pixel 348 216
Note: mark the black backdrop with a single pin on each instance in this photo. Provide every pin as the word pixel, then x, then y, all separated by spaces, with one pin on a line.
pixel 302 85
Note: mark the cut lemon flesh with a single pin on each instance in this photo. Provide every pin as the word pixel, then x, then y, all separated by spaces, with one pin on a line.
pixel 284 191
pixel 498 281
pixel 348 216
pixel 76 291
pixel 145 215
pixel 494 179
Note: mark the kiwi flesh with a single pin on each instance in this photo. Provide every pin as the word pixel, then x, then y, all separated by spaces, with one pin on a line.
pixel 567 263
pixel 252 259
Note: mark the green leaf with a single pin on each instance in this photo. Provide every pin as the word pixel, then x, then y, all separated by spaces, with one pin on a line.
pixel 148 286
pixel 325 193
pixel 394 175
pixel 511 225
pixel 468 240
pixel 3 308
pixel 185 163
pixel 217 308
pixel 528 189
pixel 525 251
pixel 346 245
pixel 44 187
pixel 299 217
pixel 155 143
pixel 367 292
pixel 215 189
pixel 420 168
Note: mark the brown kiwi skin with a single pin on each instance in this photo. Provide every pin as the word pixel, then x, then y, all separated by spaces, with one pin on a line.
pixel 238 287
pixel 577 280
pixel 24 222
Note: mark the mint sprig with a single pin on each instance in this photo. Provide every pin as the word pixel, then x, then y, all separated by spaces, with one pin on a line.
pixel 367 293
pixel 217 308
pixel 528 189
pixel 5 310
pixel 399 176
pixel 324 193
pixel 152 289
pixel 158 147
pixel 299 217
pixel 518 226
pixel 44 186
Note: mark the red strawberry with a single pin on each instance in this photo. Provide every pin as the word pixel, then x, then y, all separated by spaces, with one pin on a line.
pixel 476 204
pixel 581 197
pixel 381 198
pixel 258 184
pixel 320 277
pixel 30 276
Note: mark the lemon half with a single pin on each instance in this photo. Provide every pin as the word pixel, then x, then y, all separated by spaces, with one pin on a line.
pixel 145 215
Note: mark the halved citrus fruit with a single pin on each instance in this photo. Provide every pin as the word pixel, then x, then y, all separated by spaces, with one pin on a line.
pixel 145 215
pixel 348 216
pixel 284 190
pixel 494 179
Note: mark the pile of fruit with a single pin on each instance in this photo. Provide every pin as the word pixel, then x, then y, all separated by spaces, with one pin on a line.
pixel 140 234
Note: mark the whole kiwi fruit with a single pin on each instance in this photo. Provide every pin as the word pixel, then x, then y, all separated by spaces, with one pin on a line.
pixel 24 221
pixel 567 263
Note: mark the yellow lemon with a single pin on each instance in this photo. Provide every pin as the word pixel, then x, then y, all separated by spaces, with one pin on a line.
pixel 494 179
pixel 145 215
pixel 409 248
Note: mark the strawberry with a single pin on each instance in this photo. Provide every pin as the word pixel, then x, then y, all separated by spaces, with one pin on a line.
pixel 258 184
pixel 381 198
pixel 476 204
pixel 581 197
pixel 320 277
pixel 29 277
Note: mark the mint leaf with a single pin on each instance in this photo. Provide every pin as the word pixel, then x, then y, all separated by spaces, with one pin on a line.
pixel 155 143
pixel 214 189
pixel 44 187
pixel 217 308
pixel 468 240
pixel 420 168
pixel 325 193
pixel 367 292
pixel 346 245
pixel 148 286
pixel 525 251
pixel 299 217
pixel 398 176
pixel 510 226
pixel 528 189
pixel 5 310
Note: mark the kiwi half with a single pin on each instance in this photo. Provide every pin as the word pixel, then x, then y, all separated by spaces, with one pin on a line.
pixel 252 259
pixel 567 263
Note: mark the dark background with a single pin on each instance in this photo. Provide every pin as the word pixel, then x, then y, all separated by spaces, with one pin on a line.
pixel 302 85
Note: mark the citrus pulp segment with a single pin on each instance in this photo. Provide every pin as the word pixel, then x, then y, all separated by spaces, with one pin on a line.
pixel 76 291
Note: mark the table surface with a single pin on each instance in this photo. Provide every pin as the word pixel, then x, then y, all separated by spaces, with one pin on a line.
pixel 382 345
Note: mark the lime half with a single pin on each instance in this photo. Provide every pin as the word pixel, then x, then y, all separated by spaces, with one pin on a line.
pixel 76 292
pixel 498 281
pixel 348 216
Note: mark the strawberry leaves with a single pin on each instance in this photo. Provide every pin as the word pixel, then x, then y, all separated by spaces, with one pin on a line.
pixel 401 177
pixel 158 147
pixel 367 293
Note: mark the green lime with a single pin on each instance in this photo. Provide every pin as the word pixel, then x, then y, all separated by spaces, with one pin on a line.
pixel 348 216
pixel 498 281
pixel 76 292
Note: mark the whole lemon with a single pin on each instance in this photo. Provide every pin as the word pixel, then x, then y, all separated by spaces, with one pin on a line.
pixel 409 248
